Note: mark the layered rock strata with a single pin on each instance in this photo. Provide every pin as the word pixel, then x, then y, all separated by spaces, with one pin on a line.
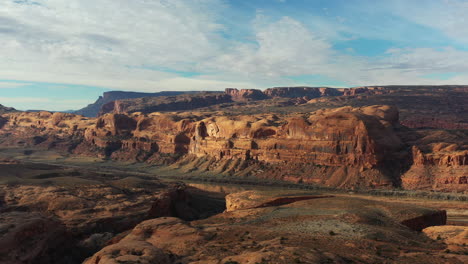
pixel 344 147
pixel 93 109
pixel 165 103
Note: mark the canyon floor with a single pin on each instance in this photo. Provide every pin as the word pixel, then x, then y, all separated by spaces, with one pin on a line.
pixel 57 208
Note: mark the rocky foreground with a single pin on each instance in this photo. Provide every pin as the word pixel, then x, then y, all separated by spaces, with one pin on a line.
pixel 360 147
pixel 52 214
pixel 263 227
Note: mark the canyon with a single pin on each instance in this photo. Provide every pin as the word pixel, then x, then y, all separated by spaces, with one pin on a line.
pixel 364 147
pixel 86 214
pixel 115 188
pixel 307 231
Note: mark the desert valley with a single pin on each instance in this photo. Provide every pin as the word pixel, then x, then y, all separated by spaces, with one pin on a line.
pixel 373 174
pixel 233 132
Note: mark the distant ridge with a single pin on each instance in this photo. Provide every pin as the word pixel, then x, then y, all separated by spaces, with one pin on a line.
pixel 93 109
pixel 4 109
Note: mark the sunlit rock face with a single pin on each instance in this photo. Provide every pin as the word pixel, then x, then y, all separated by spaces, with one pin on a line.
pixel 342 147
pixel 285 228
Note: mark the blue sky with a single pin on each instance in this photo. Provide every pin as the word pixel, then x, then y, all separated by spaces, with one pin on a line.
pixel 74 50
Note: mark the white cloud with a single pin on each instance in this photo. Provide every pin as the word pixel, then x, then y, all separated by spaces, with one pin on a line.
pixel 448 16
pixel 92 42
pixel 288 48
pixel 285 47
pixel 7 85
pixel 113 43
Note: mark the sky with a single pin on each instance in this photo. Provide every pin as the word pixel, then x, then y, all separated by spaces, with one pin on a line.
pixel 61 55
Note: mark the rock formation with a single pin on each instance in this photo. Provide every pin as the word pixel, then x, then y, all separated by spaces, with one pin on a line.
pixel 4 109
pixel 165 103
pixel 456 237
pixel 441 107
pixel 439 160
pixel 104 208
pixel 30 238
pixel 323 230
pixel 332 147
pixel 54 214
pixel 93 109
pixel 245 94
pixel 255 199
pixel 309 92
pixel 344 147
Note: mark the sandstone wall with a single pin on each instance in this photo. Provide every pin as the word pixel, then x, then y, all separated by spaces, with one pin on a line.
pixel 343 147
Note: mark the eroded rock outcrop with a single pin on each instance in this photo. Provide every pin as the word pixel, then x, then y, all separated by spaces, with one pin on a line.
pixel 30 238
pixel 329 145
pixel 245 94
pixel 54 214
pixel 439 161
pixel 456 235
pixel 4 109
pixel 309 92
pixel 422 106
pixel 182 102
pixel 106 207
pixel 256 199
pixel 130 252
pixel 330 229
pixel 342 147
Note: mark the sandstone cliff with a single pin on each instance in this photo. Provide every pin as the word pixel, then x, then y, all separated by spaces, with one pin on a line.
pixel 345 147
pixel 310 92
pixel 165 103
pixel 245 94
pixel 442 107
pixel 440 160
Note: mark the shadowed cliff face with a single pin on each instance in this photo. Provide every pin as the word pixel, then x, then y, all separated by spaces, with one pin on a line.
pixel 309 92
pixel 4 109
pixel 343 147
pixel 55 214
pixel 149 103
pixel 93 109
pixel 165 103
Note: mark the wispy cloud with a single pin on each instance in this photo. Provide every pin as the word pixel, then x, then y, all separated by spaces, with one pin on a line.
pixel 42 103
pixel 153 45
pixel 9 85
